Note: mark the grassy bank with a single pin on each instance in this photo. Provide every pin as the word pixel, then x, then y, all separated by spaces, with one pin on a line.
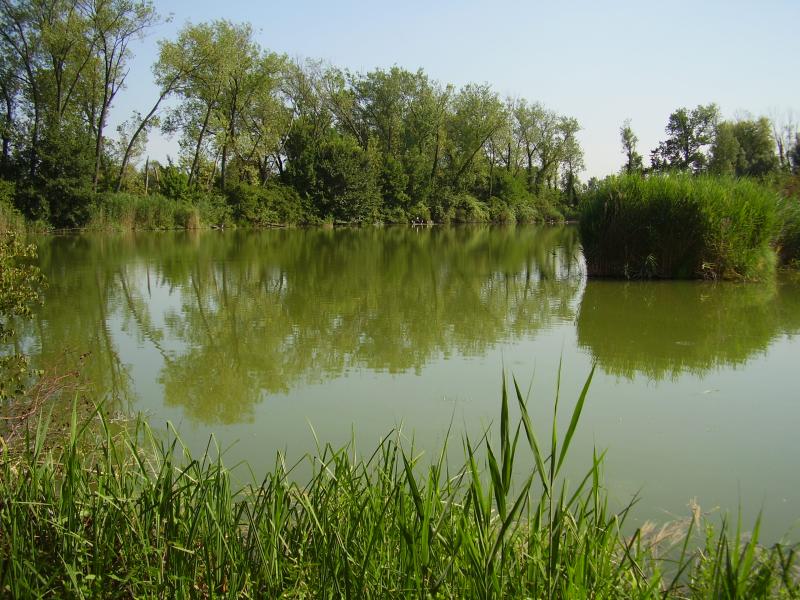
pixel 124 211
pixel 127 515
pixel 679 227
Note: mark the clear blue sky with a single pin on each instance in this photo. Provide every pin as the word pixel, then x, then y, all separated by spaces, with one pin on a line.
pixel 601 62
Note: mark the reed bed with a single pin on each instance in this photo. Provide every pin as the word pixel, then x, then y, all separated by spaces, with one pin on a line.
pixel 130 514
pixel 789 238
pixel 133 212
pixel 679 227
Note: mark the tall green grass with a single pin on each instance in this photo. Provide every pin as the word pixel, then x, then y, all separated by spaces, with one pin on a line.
pixel 789 238
pixel 679 227
pixel 131 211
pixel 130 515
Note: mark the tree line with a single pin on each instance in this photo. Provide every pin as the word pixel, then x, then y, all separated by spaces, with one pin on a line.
pixel 266 139
pixel 269 137
pixel 699 141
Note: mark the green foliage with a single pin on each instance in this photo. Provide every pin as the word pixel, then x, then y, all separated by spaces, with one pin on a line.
pixel 689 132
pixel 10 217
pixel 173 182
pixel 272 204
pixel 679 227
pixel 468 209
pixel 211 210
pixel 335 174
pixel 500 211
pixel 546 203
pixel 130 211
pixel 744 149
pixel 386 145
pixel 512 201
pixel 628 139
pixel 20 281
pixel 789 237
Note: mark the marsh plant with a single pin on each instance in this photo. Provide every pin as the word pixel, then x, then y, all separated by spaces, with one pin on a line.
pixel 679 226
pixel 121 512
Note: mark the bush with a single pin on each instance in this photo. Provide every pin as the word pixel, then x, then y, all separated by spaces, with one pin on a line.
pixel 469 209
pixel 546 202
pixel 419 213
pixel 60 203
pixel 173 183
pixel 679 227
pixel 500 212
pixel 10 218
pixel 394 214
pixel 211 210
pixel 527 214
pixel 272 204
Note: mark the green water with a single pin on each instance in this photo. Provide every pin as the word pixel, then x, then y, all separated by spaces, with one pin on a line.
pixel 258 337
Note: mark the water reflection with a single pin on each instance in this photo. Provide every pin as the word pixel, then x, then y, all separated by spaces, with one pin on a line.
pixel 213 322
pixel 664 329
pixel 238 315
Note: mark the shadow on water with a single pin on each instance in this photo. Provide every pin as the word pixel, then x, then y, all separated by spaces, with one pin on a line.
pixel 665 329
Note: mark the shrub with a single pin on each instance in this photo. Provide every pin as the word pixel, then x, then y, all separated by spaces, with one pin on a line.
pixel 394 214
pixel 10 218
pixel 212 209
pixel 679 227
pixel 527 214
pixel 546 202
pixel 173 182
pixel 271 204
pixel 469 209
pixel 500 212
pixel 419 213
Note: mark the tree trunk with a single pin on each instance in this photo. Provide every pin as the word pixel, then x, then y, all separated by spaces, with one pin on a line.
pixel 193 170
pixel 138 131
pixel 223 165
pixel 9 118
pixel 98 146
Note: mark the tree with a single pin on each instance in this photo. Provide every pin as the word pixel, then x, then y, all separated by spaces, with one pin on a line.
pixel 534 126
pixel 114 23
pixel 571 159
pixel 333 173
pixel 794 155
pixel 757 148
pixel 744 148
pixel 628 139
pixel 690 132
pixel 177 62
pixel 725 151
pixel 476 114
pixel 785 129
pixel 46 49
pixel 230 111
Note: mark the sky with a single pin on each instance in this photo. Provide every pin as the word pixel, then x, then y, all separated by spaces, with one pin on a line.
pixel 601 62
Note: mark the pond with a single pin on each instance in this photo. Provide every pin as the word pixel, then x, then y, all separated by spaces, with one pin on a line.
pixel 272 340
